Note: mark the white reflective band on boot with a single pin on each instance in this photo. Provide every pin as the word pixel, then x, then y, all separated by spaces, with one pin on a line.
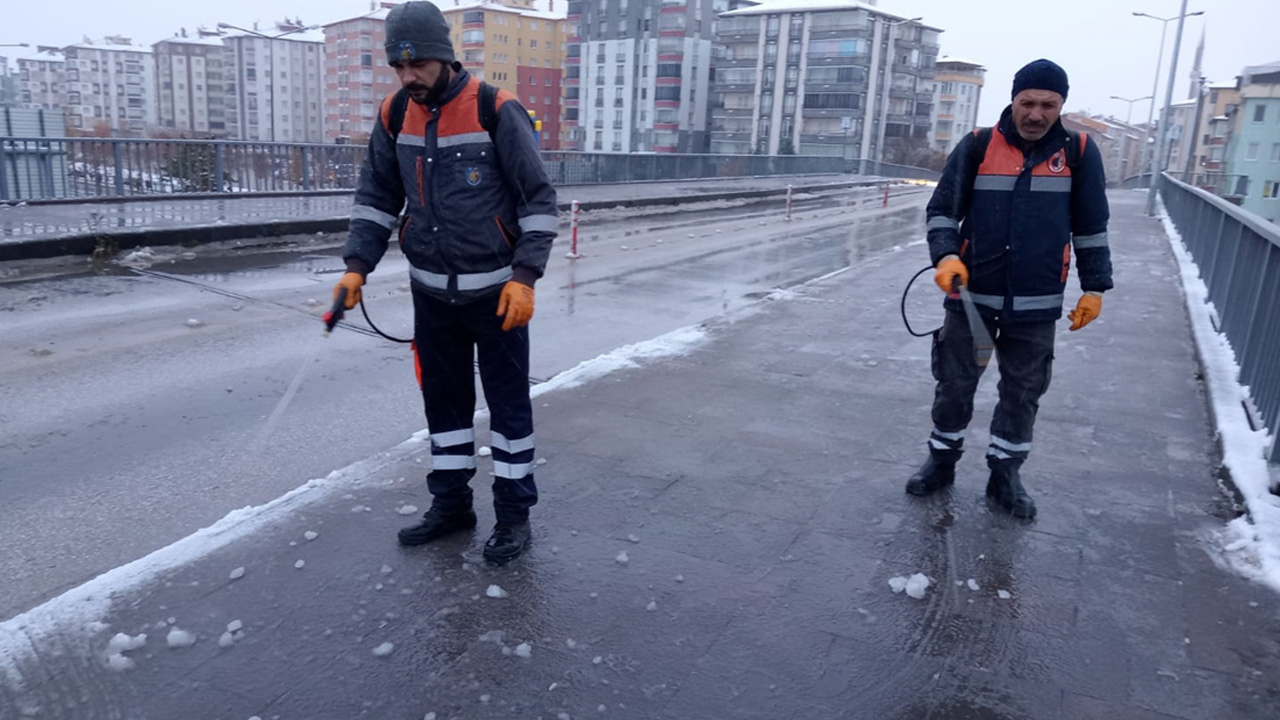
pixel 453 462
pixel 500 442
pixel 511 471
pixel 937 444
pixel 454 437
pixel 949 435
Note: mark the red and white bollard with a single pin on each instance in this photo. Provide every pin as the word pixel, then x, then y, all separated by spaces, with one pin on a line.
pixel 886 195
pixel 573 248
pixel 789 188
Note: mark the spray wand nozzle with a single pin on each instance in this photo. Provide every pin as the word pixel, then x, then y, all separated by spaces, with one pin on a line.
pixel 335 313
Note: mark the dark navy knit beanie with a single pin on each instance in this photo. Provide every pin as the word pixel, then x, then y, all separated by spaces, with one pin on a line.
pixel 418 31
pixel 1041 75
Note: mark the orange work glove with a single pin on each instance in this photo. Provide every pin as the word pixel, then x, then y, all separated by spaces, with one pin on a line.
pixel 352 281
pixel 515 304
pixel 950 267
pixel 1087 310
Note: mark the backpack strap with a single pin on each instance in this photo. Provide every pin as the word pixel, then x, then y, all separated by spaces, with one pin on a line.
pixel 399 106
pixel 1075 148
pixel 488 107
pixel 982 138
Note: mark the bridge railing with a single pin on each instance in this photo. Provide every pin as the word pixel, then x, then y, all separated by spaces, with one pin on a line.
pixel 1238 254
pixel 44 169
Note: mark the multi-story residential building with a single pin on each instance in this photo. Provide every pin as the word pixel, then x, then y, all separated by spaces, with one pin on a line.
pixel 41 74
pixel 274 83
pixel 511 44
pixel 110 87
pixel 8 79
pixel 357 76
pixel 1216 117
pixel 638 74
pixel 1108 135
pixel 190 91
pixel 958 91
pixel 820 77
pixel 1254 149
pixel 1182 118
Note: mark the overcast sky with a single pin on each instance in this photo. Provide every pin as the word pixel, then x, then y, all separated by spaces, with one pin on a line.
pixel 1105 50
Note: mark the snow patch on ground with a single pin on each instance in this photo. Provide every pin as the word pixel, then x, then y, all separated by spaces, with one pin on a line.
pixel 1249 545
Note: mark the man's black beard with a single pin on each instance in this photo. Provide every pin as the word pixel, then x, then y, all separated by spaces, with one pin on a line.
pixel 441 86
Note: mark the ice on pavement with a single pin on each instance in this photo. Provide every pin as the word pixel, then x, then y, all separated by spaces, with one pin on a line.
pixel 622 558
pixel 180 638
pixel 123 643
pixel 226 639
pixel 493 636
pixel 309 535
pixel 237 573
pixel 496 592
pixel 973 585
pixel 898 583
pixel 300 564
pixel 653 605
pixel 916 585
pixel 235 626
pixel 484 451
pixel 194 323
pixel 386 570
pixel 119 663
pixel 384 649
pixel 407 510
pixel 1004 594
pixel 679 578
pixel 633 538
pixel 524 650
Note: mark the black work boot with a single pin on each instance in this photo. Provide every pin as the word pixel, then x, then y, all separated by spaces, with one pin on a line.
pixel 1004 488
pixel 509 539
pixel 938 472
pixel 436 524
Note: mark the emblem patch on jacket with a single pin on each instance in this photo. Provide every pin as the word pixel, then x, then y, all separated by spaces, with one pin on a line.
pixel 473 176
pixel 1058 162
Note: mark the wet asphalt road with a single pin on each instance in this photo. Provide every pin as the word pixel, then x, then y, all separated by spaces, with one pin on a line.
pixel 754 483
pixel 123 425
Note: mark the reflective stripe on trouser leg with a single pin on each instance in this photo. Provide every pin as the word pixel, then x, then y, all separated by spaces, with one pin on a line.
pixel 504 374
pixel 1026 368
pixel 445 351
pixel 957 374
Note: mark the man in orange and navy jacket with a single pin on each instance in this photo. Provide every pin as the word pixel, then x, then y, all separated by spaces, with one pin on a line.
pixel 1012 204
pixel 480 220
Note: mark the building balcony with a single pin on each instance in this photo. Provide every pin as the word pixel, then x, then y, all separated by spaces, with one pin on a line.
pixel 666 126
pixel 573 60
pixel 665 148
pixel 571 82
pixel 570 103
pixel 667 81
pixel 671 33
pixel 671 57
pixel 734 112
pixel 666 103
pixel 673 6
pixel 742 62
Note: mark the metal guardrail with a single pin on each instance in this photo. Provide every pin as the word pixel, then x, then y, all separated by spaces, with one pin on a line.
pixel 40 169
pixel 1238 254
pixel 1231 187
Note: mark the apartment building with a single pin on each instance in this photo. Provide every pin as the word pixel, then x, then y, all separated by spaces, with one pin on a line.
pixel 957 94
pixel 356 76
pixel 190 87
pixel 40 77
pixel 822 77
pixel 274 83
pixel 109 87
pixel 638 74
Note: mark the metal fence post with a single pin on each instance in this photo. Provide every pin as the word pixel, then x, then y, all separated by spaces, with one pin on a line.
pixel 4 172
pixel 217 168
pixel 306 169
pixel 117 154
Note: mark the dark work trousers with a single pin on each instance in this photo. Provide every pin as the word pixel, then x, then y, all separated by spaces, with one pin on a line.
pixel 448 338
pixel 1024 353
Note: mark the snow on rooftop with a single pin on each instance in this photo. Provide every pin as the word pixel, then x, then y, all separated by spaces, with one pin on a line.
pixel 196 39
pixel 39 53
pixel 783 6
pixel 275 31
pixel 113 43
pixel 960 61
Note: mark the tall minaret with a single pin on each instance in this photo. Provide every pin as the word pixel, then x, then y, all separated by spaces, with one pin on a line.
pixel 1195 68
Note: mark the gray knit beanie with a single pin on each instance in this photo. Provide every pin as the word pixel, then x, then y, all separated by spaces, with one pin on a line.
pixel 418 31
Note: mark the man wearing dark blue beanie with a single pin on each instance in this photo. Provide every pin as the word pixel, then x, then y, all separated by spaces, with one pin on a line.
pixel 1012 204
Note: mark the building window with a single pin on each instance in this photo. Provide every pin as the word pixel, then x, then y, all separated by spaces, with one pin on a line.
pixel 1251 153
pixel 1259 113
pixel 1275 152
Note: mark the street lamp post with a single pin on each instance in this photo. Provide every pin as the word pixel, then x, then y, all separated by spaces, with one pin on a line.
pixel 1124 160
pixel 15 44
pixel 888 79
pixel 1163 129
pixel 271 69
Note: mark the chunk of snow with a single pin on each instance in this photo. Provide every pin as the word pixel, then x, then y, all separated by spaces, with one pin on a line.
pixel 1004 594
pixel 235 626
pixel 496 592
pixel 309 535
pixel 597 660
pixel 493 636
pixel 237 573
pixel 898 583
pixel 633 538
pixel 973 585
pixel 622 558
pixel 300 564
pixel 653 605
pixel 524 650
pixel 602 708
pixel 573 533
pixel 540 461
pixel 180 638
pixel 407 510
pixel 386 569
pixel 194 323
pixel 679 578
pixel 96 627
pixel 429 716
pixel 484 698
pixel 484 451
pixel 226 639
pixel 916 585
pixel 384 649
pixel 121 642
pixel 119 663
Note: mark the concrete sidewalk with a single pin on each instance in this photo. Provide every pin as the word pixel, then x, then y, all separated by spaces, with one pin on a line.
pixel 50 230
pixel 755 487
